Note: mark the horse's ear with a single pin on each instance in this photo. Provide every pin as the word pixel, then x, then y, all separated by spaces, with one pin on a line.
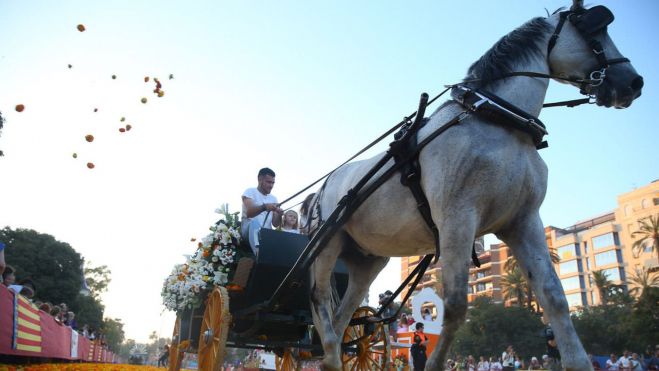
pixel 577 5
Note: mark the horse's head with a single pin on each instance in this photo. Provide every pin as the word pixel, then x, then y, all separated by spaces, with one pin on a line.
pixel 581 49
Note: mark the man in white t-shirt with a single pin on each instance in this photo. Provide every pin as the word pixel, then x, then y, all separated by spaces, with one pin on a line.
pixel 508 359
pixel 260 208
pixel 624 361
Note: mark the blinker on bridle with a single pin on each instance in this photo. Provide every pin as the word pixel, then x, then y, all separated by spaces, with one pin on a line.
pixel 589 22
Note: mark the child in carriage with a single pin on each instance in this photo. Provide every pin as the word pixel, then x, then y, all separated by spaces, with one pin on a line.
pixel 289 222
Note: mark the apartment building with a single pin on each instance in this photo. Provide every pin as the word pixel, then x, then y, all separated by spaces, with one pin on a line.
pixel 603 242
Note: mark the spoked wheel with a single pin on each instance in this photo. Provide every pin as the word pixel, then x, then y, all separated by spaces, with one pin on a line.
pixel 214 330
pixel 288 361
pixel 366 347
pixel 174 356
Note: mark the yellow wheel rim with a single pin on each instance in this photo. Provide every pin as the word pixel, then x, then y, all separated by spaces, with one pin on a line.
pixel 371 352
pixel 287 362
pixel 214 330
pixel 174 361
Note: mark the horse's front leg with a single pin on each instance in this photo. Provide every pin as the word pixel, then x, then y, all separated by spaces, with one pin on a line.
pixel 527 240
pixel 322 305
pixel 456 241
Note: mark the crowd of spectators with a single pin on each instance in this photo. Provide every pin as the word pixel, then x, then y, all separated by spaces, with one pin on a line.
pixel 60 312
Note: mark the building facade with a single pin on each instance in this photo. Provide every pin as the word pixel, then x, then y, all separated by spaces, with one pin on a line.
pixel 600 243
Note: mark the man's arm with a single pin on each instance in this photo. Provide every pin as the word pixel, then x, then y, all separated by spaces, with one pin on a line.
pixel 254 210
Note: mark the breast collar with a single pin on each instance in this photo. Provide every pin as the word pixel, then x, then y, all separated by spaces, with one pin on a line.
pixel 497 110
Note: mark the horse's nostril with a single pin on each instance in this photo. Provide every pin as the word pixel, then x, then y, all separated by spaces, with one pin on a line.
pixel 637 84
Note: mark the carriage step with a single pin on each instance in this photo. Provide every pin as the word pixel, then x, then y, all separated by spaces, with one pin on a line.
pixel 243 270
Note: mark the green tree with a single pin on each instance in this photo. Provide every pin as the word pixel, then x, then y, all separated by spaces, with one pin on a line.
pixel 491 327
pixel 124 349
pixel 641 280
pixel 54 266
pixel 97 279
pixel 114 333
pixel 603 284
pixel 513 286
pixel 648 233
pixel 89 311
pixel 603 329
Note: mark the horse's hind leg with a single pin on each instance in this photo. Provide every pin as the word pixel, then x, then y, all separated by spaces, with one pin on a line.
pixel 527 240
pixel 362 270
pixel 322 303
pixel 456 241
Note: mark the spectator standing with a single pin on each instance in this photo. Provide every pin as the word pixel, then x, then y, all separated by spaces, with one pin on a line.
pixel 623 361
pixel 508 359
pixel 71 320
pixel 470 364
pixel 653 364
pixel 426 315
pixel 495 365
pixel 554 356
pixel 2 245
pixel 535 365
pixel 8 276
pixel 594 362
pixel 483 364
pixel 612 363
pixel 635 363
pixel 403 324
pixel 418 349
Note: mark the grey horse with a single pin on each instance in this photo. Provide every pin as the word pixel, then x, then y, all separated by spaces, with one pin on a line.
pixel 479 178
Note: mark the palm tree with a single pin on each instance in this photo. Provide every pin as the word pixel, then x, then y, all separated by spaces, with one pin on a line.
pixel 642 280
pixel 514 286
pixel 603 284
pixel 648 232
pixel 511 264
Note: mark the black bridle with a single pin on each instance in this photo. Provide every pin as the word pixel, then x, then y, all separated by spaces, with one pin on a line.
pixel 588 23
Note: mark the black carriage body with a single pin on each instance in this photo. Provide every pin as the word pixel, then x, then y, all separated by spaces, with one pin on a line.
pixel 252 324
pixel 278 252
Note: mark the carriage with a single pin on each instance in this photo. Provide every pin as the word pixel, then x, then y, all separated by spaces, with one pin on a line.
pixel 251 319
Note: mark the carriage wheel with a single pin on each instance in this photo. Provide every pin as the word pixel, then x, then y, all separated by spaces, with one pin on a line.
pixel 370 348
pixel 174 356
pixel 288 361
pixel 214 330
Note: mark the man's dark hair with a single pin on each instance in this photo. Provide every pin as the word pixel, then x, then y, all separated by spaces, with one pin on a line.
pixel 418 325
pixel 8 270
pixel 266 171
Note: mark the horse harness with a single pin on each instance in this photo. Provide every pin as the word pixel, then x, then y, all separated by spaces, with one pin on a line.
pixel 406 147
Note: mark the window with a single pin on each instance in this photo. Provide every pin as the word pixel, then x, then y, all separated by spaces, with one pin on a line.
pixel 480 287
pixel 571 283
pixel 480 274
pixel 568 267
pixel 613 274
pixel 603 241
pixel 585 247
pixel 471 289
pixel 604 258
pixel 648 246
pixel 574 300
pixel 645 203
pixel 587 264
pixel 567 252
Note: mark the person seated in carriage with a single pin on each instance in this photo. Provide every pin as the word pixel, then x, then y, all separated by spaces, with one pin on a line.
pixel 289 222
pixel 260 209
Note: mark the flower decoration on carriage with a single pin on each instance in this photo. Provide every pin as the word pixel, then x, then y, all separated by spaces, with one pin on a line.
pixel 400 361
pixel 212 264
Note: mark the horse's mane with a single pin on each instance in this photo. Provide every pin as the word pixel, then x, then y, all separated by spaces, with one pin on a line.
pixel 519 45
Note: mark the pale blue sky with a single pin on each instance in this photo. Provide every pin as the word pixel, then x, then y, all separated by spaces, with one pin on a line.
pixel 296 86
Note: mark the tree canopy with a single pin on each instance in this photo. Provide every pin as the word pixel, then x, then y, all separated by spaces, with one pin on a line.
pixel 54 266
pixel 491 327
